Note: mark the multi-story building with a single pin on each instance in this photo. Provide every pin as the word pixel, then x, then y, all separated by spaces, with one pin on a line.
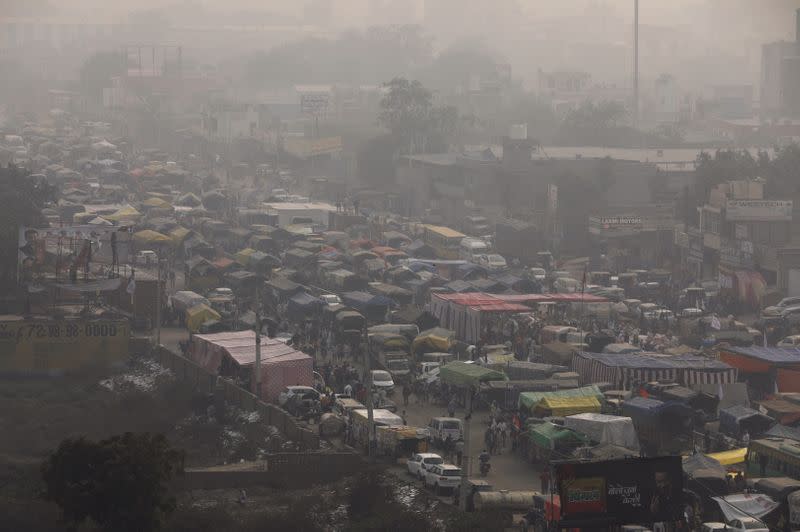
pixel 780 76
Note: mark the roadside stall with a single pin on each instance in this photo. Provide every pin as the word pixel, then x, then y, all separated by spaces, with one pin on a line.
pixel 735 420
pixel 396 442
pixel 662 427
pixel 467 377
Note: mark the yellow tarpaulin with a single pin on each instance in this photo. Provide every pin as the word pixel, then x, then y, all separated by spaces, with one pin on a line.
pixel 732 457
pixel 178 235
pixel 148 236
pixel 198 315
pixel 157 203
pixel 568 406
pixel 243 256
pixel 125 213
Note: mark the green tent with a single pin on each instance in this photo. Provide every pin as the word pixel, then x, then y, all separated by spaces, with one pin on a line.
pixel 548 435
pixel 529 400
pixel 462 374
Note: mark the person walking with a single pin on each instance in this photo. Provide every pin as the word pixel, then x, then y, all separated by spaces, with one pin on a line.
pixel 502 429
pixel 451 407
pixel 406 393
pixel 448 447
pixel 459 451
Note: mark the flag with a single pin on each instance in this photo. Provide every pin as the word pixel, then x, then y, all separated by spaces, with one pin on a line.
pixel 131 286
pixel 715 324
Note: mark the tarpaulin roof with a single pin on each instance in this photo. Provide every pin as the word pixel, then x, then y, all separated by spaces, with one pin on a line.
pixel 124 213
pixel 91 287
pixel 768 354
pixel 362 300
pixel 732 457
pixel 483 302
pixel 745 505
pixel 567 406
pixel 304 300
pixel 605 429
pixel 148 236
pixel 241 347
pixel 197 315
pixel 546 434
pixel 699 465
pixel 529 400
pixel 782 431
pixel 463 374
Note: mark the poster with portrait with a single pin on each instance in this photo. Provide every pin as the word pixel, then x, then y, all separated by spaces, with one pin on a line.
pixel 630 491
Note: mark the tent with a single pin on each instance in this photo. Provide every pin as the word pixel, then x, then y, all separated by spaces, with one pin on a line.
pixel 567 406
pixel 197 315
pixel 605 429
pixel 373 307
pixel 156 203
pixel 464 375
pixel 529 400
pixel 736 420
pixel 745 505
pixel 125 214
pixel 303 305
pixel 782 431
pixel 437 339
pixel 148 236
pixel 550 436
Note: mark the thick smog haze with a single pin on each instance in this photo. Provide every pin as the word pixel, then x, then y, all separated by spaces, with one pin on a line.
pixel 407 265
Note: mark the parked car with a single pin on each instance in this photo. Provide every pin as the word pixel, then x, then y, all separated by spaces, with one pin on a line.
pixel 382 380
pixel 784 306
pixel 442 427
pixel 492 262
pixel 747 524
pixel 146 257
pixel 713 527
pixel 790 341
pixel 419 463
pixel 443 476
pixel 291 391
pixel 331 299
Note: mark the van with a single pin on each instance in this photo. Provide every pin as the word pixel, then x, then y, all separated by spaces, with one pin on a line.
pixel 471 248
pixel 442 427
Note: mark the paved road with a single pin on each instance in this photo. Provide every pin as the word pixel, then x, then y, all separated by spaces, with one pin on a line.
pixel 509 471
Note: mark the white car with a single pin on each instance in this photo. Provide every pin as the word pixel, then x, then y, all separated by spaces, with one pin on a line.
pixel 537 274
pixel 331 299
pixel 291 391
pixel 382 380
pixel 790 341
pixel 419 463
pixel 783 307
pixel 146 258
pixel 493 262
pixel 747 524
pixel 442 476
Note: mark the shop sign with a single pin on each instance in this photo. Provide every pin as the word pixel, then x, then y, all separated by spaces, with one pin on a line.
pixel 758 210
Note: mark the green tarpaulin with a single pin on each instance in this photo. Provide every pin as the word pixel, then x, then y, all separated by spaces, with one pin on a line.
pixel 463 374
pixel 529 400
pixel 546 435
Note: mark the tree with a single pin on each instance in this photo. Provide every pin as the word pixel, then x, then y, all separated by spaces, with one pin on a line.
pixel 593 123
pixel 375 160
pixel 724 165
pixel 22 199
pixel 97 71
pixel 782 172
pixel 119 483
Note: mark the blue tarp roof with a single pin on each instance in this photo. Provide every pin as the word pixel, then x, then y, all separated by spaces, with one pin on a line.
pixel 304 300
pixel 636 360
pixel 363 300
pixel 769 354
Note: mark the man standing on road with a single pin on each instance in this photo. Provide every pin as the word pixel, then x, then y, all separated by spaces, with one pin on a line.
pixel 451 407
pixel 406 393
pixel 502 429
pixel 459 451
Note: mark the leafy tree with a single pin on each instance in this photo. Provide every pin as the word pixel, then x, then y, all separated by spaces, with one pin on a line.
pixel 119 483
pixel 783 171
pixel 592 123
pixel 376 159
pixel 97 71
pixel 724 165
pixel 22 199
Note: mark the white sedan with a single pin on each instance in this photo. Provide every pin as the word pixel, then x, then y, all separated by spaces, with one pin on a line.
pixel 419 463
pixel 442 476
pixel 747 524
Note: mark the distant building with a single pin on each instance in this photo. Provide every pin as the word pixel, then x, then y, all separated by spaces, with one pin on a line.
pixel 780 76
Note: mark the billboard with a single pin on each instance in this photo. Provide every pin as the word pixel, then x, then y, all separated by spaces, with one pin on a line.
pixel 615 225
pixel 54 250
pixel 53 346
pixel 758 210
pixel 631 491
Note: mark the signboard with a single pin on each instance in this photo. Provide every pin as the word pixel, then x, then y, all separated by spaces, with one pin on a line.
pixel 552 197
pixel 615 225
pixel 54 249
pixel 303 148
pixel 46 346
pixel 736 253
pixel 635 490
pixel 314 103
pixel 740 231
pixel 758 210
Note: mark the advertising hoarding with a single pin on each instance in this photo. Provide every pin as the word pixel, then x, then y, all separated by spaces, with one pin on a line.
pixel 630 491
pixel 758 210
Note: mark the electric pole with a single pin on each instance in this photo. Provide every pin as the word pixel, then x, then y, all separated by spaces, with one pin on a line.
pixel 635 63
pixel 370 414
pixel 466 459
pixel 258 353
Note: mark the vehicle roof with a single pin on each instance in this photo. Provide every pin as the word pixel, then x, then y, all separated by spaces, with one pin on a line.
pixel 429 455
pixel 446 418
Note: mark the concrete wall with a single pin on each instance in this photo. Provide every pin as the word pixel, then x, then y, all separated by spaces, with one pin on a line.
pixel 284 470
pixel 205 382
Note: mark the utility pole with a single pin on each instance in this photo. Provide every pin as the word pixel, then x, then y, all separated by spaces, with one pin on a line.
pixel 466 458
pixel 258 353
pixel 370 413
pixel 158 303
pixel 635 63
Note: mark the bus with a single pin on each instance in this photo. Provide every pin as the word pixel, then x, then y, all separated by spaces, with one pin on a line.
pixel 446 241
pixel 773 457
